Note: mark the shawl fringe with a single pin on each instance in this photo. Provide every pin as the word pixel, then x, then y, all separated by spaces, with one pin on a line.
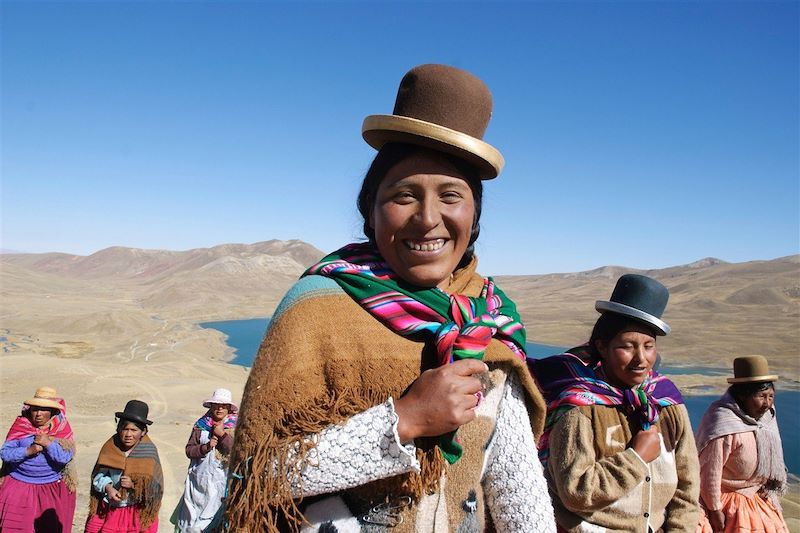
pixel 266 503
pixel 147 488
pixel 69 474
pixel 323 360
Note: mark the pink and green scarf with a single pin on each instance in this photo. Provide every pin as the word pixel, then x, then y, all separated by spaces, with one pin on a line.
pixel 205 422
pixel 571 380
pixel 462 326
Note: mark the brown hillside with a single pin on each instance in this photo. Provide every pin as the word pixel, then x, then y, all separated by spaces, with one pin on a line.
pixel 717 310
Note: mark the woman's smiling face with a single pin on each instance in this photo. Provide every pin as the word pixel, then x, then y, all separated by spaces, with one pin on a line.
pixel 423 217
pixel 629 356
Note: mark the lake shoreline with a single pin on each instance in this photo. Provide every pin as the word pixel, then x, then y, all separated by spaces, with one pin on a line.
pixel 698 390
pixel 704 380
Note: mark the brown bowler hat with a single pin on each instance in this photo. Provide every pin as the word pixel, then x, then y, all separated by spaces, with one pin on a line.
pixel 751 369
pixel 443 108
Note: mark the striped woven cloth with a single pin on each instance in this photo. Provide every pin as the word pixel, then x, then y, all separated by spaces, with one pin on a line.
pixel 462 326
pixel 569 380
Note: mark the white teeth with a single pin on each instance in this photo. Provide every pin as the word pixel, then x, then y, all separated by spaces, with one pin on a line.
pixel 431 246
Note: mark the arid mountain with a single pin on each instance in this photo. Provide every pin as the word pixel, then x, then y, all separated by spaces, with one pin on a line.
pixel 717 310
pixel 226 281
pixel 123 323
pixel 120 263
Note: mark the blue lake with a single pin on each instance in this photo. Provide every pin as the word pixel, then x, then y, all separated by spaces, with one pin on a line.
pixel 244 337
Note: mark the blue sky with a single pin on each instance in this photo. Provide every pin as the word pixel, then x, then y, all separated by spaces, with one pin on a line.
pixel 642 134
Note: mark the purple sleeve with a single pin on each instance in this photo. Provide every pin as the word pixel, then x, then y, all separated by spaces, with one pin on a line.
pixel 14 451
pixel 57 454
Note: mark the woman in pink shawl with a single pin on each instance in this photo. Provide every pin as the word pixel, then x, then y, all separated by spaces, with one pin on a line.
pixel 37 481
pixel 742 473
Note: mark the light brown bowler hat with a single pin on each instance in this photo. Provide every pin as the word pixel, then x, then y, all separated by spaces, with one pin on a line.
pixel 45 397
pixel 443 108
pixel 751 369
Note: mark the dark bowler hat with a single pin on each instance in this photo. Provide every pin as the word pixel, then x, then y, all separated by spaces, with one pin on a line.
pixel 751 369
pixel 135 411
pixel 638 297
pixel 443 108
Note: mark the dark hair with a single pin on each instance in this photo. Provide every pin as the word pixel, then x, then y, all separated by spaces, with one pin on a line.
pixel 608 326
pixel 391 154
pixel 740 391
pixel 121 422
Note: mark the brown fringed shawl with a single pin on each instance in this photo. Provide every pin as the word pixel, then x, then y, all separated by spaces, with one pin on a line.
pixel 323 360
pixel 143 466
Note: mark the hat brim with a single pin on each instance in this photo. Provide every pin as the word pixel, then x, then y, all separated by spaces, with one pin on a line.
pixel 378 130
pixel 660 326
pixel 133 418
pixel 211 401
pixel 753 379
pixel 43 402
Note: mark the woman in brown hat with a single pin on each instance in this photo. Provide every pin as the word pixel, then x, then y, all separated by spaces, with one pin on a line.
pixel 37 481
pixel 127 482
pixel 618 445
pixel 391 389
pixel 742 473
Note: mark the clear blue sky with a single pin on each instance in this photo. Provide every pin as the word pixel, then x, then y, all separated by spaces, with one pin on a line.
pixel 643 134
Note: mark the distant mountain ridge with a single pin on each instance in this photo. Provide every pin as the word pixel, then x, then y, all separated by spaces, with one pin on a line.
pixel 149 265
pixel 717 310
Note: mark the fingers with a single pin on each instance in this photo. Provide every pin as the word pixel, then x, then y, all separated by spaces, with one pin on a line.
pixel 461 376
pixel 468 367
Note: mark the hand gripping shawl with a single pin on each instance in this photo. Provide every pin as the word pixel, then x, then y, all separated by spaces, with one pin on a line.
pixel 205 423
pixel 345 338
pixel 58 428
pixel 726 417
pixel 569 380
pixel 143 466
pixel 461 325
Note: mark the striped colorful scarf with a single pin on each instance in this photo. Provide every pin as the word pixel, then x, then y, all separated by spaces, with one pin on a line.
pixel 205 422
pixel 462 326
pixel 569 380
pixel 57 428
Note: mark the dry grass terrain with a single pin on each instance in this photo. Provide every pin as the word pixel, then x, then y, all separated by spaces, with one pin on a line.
pixel 122 324
pixel 717 310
